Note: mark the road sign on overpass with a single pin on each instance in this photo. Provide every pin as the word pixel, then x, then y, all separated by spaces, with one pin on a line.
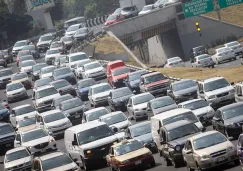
pixel 197 7
pixel 227 3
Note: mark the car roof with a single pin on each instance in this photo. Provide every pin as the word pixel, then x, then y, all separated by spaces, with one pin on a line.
pixel 99 85
pixel 16 149
pixel 22 106
pixel 139 124
pixel 120 89
pixel 28 61
pixel 95 109
pixel 139 95
pixel 90 63
pixel 77 53
pixel 181 81
pixel 190 101
pixel 212 79
pixel 120 143
pixel 50 155
pixel 170 113
pixel 160 98
pixel 22 41
pixel 112 114
pixel 85 126
pixel 35 129
pixel 69 100
pixel 231 106
pixel 176 124
pixel 14 83
pixel 150 74
pixel 50 112
pixel 44 87
pixel 203 134
pixel 114 62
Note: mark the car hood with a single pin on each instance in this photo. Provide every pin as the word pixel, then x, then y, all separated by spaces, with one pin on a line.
pixel 181 141
pixel 133 154
pixel 120 125
pixel 94 70
pixel 203 110
pixel 140 106
pixel 164 109
pixel 236 119
pixel 80 35
pixel 15 91
pixel 157 83
pixel 37 141
pixel 5 77
pixel 76 109
pixel 120 77
pixel 220 91
pixel 122 99
pixel 3 111
pixel 47 98
pixel 145 138
pixel 30 114
pixel 63 76
pixel 58 122
pixel 44 42
pixel 18 162
pixel 102 94
pixel 64 167
pixel 215 148
pixel 18 48
pixel 185 91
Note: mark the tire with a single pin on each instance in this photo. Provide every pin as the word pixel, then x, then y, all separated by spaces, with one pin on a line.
pixel 152 164
pixel 188 168
pixel 168 162
pixel 174 163
pixel 237 162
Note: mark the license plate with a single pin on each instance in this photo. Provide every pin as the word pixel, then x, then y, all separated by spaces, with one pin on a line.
pixel 138 162
pixel 8 145
pixel 77 116
pixel 220 159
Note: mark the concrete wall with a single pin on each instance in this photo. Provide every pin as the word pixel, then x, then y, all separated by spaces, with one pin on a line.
pixel 211 30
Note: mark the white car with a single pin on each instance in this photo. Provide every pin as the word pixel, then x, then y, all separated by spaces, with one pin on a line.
pixel 72 29
pixel 37 141
pixel 54 122
pixel 26 66
pixel 223 54
pixel 79 67
pixel 44 42
pixel 75 58
pixel 98 94
pixel 116 119
pixel 146 9
pixel 21 112
pixel 94 70
pixel 236 47
pixel 47 71
pixel 18 46
pixel 94 114
pixel 174 62
pixel 50 55
pixel 204 60
pixel 43 97
pixel 26 124
pixel 17 158
pixel 16 91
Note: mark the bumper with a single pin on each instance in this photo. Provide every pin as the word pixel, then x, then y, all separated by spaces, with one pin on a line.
pixel 140 114
pixel 49 148
pixel 222 101
pixel 44 108
pixel 178 158
pixel 17 97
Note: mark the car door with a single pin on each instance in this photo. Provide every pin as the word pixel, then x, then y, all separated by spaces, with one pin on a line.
pixel 13 118
pixel 188 154
pixel 129 107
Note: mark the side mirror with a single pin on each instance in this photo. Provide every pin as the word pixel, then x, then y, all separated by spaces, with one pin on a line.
pixel 5 91
pixel 189 152
pixel 75 160
pixel 74 143
pixel 129 105
pixel 232 83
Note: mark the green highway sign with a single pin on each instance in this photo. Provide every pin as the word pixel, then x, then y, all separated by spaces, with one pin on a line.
pixel 197 7
pixel 227 3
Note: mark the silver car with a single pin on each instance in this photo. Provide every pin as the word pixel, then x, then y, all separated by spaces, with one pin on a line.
pixel 16 91
pixel 204 60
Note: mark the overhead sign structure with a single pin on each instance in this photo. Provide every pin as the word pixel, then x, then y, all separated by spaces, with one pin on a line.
pixel 197 7
pixel 227 3
pixel 39 4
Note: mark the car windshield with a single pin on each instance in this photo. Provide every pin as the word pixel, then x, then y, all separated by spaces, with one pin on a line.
pixel 233 112
pixel 66 39
pixel 141 130
pixel 199 48
pixel 54 51
pixel 91 66
pixel 128 147
pixel 162 102
pixel 24 53
pixel 16 86
pixel 154 78
pixel 25 58
pixel 46 92
pixel 201 57
pixel 4 73
pixel 120 71
pixel 100 89
pixel 174 59
pixel 86 83
pixel 27 122
pixel 233 44
pixel 117 11
pixel 38 67
pixel 136 76
pixel 182 131
pixel 184 116
pixel 33 135
pixel 42 82
pixel 120 117
pixel 27 63
pixel 30 47
pixel 47 70
pixel 145 8
pixel 208 141
pixel 61 71
pixel 196 105
pixel 56 162
pixel 73 28
pixel 56 45
pixel 19 76
pixel 142 99
pixel 82 31
pixel 112 17
pixel 24 110
pixel 183 85
pixel 46 38
pixel 72 104
pixel 217 84
pixel 78 57
pixel 94 134
pixel 61 99
pixel 221 50
pixel 96 114
pixel 54 117
pixel 82 63
pixel 60 84
pixel 121 93
pixel 19 44
pixel 16 155
pixel 6 129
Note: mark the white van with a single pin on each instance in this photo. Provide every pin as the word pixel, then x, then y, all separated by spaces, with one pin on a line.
pixel 89 143
pixel 171 116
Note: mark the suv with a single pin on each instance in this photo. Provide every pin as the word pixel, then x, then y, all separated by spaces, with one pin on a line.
pixel 129 12
pixel 173 137
pixel 154 83
pixel 43 97
pixel 217 91
pixel 44 42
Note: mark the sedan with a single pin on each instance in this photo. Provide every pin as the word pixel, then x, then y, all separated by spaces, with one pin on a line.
pixel 146 9
pixel 16 91
pixel 34 51
pixel 118 98
pixel 47 71
pixel 64 73
pixel 228 120
pixel 223 54
pixel 114 18
pixel 26 66
pixel 174 62
pixel 83 87
pixel 25 58
pixel 204 60
pixel 83 33
pixel 36 69
pixel 94 70
pixel 78 69
pixel 58 45
pixel 64 87
pixel 42 82
pixel 22 78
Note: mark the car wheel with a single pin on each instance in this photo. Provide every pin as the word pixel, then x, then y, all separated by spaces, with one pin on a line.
pixel 188 168
pixel 168 162
pixel 174 163
pixel 237 162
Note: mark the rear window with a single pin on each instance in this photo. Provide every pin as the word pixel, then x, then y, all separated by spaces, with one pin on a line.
pixel 184 116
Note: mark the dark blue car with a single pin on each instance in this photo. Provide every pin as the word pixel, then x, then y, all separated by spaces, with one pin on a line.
pixel 4 113
pixel 83 88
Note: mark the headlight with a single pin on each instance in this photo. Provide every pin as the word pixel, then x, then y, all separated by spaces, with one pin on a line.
pixel 52 140
pixel 232 91
pixel 205 156
pixel 177 148
pixel 125 161
pixel 212 97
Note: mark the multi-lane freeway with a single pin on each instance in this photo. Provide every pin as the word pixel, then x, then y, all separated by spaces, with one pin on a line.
pixel 160 165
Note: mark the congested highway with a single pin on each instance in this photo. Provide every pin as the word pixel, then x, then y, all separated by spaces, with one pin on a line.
pixel 160 164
